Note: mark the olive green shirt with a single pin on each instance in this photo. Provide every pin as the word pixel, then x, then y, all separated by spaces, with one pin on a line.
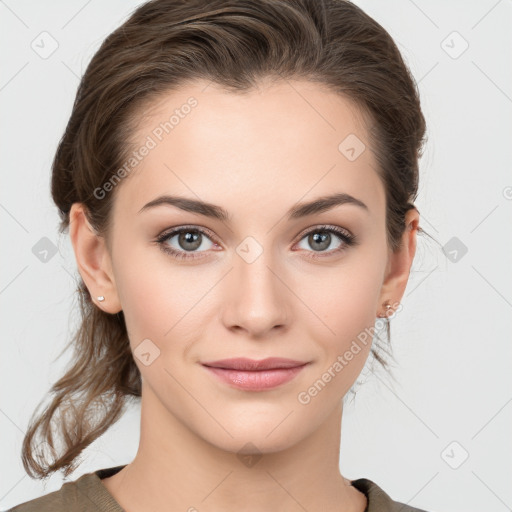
pixel 88 494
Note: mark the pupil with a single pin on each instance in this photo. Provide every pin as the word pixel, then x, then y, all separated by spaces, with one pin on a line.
pixel 322 238
pixel 190 237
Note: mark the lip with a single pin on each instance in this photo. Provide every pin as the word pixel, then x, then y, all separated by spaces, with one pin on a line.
pixel 246 364
pixel 255 375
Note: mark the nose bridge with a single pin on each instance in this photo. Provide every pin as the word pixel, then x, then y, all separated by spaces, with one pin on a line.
pixel 257 292
pixel 253 265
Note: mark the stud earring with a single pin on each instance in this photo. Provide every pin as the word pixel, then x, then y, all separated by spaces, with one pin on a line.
pixel 387 305
pixel 101 298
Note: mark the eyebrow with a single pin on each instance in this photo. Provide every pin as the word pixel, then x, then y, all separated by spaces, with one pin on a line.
pixel 299 210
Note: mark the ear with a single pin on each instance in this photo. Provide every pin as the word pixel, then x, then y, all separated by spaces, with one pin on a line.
pixel 399 263
pixel 93 260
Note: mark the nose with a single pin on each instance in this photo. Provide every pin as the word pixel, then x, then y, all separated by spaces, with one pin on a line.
pixel 259 299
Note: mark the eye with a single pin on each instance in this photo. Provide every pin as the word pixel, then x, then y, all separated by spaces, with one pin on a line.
pixel 188 240
pixel 320 238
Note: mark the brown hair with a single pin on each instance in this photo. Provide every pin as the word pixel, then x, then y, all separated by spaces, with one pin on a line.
pixel 234 43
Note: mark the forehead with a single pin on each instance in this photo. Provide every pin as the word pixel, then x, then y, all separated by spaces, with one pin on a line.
pixel 280 143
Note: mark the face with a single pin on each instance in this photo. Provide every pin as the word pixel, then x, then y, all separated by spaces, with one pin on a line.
pixel 259 282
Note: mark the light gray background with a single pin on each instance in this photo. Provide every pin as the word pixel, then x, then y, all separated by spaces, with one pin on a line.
pixel 452 340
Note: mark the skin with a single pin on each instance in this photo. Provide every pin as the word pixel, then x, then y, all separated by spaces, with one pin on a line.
pixel 256 155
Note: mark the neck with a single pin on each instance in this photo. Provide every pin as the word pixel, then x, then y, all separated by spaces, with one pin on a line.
pixel 174 469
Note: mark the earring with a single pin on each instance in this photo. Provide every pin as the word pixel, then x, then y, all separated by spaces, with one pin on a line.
pixel 387 305
pixel 101 298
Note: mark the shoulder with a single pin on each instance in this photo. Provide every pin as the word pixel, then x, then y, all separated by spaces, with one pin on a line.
pixel 85 494
pixel 378 500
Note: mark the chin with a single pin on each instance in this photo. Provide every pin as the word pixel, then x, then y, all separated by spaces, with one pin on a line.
pixel 255 438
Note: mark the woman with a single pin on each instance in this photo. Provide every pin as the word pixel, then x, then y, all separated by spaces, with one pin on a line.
pixel 238 181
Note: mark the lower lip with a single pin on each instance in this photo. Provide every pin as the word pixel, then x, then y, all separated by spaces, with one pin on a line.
pixel 256 380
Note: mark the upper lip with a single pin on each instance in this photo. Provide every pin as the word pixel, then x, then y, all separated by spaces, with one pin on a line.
pixel 243 363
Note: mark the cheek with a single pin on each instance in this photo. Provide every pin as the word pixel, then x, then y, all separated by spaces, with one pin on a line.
pixel 345 299
pixel 162 302
pixel 151 299
pixel 345 296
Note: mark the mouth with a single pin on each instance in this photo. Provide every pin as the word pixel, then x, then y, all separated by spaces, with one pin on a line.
pixel 253 375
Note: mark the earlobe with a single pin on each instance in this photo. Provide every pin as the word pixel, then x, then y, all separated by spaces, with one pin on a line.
pixel 93 260
pixel 400 261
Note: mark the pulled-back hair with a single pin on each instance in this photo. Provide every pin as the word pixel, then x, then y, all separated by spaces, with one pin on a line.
pixel 237 44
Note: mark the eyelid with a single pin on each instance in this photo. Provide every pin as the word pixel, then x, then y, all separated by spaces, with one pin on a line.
pixel 183 227
pixel 327 227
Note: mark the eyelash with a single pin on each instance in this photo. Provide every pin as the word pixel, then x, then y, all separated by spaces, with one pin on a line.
pixel 347 238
